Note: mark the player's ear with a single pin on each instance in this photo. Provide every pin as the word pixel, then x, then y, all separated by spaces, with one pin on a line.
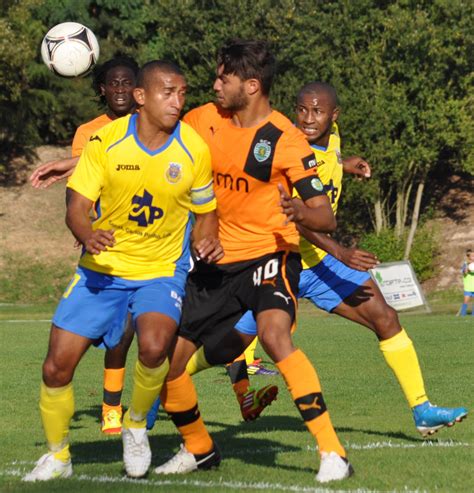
pixel 252 86
pixel 139 95
pixel 102 89
pixel 335 113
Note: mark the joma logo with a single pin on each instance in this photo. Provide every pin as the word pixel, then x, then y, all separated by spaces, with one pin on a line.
pixel 127 167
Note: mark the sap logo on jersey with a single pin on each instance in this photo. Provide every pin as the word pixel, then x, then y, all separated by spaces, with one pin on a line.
pixel 127 167
pixel 144 213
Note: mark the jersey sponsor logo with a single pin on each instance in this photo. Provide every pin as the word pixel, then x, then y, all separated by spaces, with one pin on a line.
pixel 173 173
pixel 309 162
pixel 262 150
pixel 317 184
pixel 143 212
pixel 127 167
pixel 95 137
pixel 228 181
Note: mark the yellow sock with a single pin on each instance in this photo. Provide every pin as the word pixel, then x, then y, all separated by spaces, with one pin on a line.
pixel 400 355
pixel 56 409
pixel 250 352
pixel 197 362
pixel 147 383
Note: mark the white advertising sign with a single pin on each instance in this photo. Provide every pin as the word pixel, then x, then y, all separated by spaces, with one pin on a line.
pixel 399 285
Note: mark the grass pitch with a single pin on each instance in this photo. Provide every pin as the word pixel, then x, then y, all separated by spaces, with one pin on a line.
pixel 275 453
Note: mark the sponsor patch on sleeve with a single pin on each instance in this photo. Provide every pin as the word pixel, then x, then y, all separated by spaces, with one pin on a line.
pixel 309 162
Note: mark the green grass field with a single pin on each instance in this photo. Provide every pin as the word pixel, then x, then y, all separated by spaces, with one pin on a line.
pixel 275 453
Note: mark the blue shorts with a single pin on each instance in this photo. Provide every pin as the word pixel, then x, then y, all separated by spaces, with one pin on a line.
pixel 469 293
pixel 326 284
pixel 96 305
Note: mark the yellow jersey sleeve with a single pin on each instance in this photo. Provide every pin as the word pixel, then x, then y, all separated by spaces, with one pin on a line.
pixel 89 176
pixel 202 192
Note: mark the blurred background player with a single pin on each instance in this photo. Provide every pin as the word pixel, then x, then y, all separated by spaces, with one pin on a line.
pixel 113 82
pixel 332 276
pixel 467 271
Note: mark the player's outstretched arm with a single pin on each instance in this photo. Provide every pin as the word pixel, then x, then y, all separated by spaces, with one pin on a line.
pixel 205 238
pixel 314 214
pixel 356 165
pixel 356 258
pixel 78 221
pixel 48 173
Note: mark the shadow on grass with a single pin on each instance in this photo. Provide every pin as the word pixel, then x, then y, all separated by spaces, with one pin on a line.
pixel 233 440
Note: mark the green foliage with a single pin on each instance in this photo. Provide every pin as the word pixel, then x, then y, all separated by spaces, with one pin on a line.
pixel 389 248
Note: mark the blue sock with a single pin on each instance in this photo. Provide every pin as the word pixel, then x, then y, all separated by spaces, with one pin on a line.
pixel 153 414
pixel 463 309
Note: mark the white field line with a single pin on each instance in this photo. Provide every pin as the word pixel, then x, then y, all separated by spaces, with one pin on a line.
pixel 213 485
pixel 24 321
pixel 310 448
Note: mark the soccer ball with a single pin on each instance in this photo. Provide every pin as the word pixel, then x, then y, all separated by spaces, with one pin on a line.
pixel 470 267
pixel 70 49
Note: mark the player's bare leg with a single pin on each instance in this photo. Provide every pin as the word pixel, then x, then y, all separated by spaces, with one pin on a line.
pixel 274 332
pixel 367 307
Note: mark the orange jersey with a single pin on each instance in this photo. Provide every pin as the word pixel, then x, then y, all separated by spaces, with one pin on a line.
pixel 248 164
pixel 85 131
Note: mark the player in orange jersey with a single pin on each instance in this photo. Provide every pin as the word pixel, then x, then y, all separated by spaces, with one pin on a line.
pixel 113 82
pixel 258 157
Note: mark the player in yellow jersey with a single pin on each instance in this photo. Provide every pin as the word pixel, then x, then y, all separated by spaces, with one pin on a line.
pixel 334 277
pixel 146 173
pixel 113 82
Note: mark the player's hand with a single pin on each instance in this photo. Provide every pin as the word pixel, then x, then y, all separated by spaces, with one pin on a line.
pixel 357 258
pixel 357 166
pixel 292 208
pixel 99 240
pixel 209 250
pixel 47 174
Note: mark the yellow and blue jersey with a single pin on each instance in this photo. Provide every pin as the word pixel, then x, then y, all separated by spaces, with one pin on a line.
pixel 146 196
pixel 330 171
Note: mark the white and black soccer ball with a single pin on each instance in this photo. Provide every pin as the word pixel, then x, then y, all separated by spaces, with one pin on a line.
pixel 470 267
pixel 70 49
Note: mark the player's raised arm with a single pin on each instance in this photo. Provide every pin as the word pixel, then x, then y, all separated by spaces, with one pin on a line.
pixel 78 221
pixel 356 165
pixel 205 237
pixel 315 213
pixel 48 173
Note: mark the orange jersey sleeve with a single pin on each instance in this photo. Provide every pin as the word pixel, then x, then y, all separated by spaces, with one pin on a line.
pixel 248 164
pixel 84 132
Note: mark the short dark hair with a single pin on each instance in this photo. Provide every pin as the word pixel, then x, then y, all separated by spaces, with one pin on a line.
pixel 318 86
pixel 161 65
pixel 248 59
pixel 468 251
pixel 100 72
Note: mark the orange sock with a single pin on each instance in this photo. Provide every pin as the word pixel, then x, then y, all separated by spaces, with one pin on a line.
pixel 179 399
pixel 113 386
pixel 303 383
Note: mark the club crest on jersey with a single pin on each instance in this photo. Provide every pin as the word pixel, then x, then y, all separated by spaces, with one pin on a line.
pixel 173 173
pixel 339 157
pixel 317 185
pixel 262 150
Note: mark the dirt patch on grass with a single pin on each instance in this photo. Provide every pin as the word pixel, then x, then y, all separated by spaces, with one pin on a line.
pixel 32 221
